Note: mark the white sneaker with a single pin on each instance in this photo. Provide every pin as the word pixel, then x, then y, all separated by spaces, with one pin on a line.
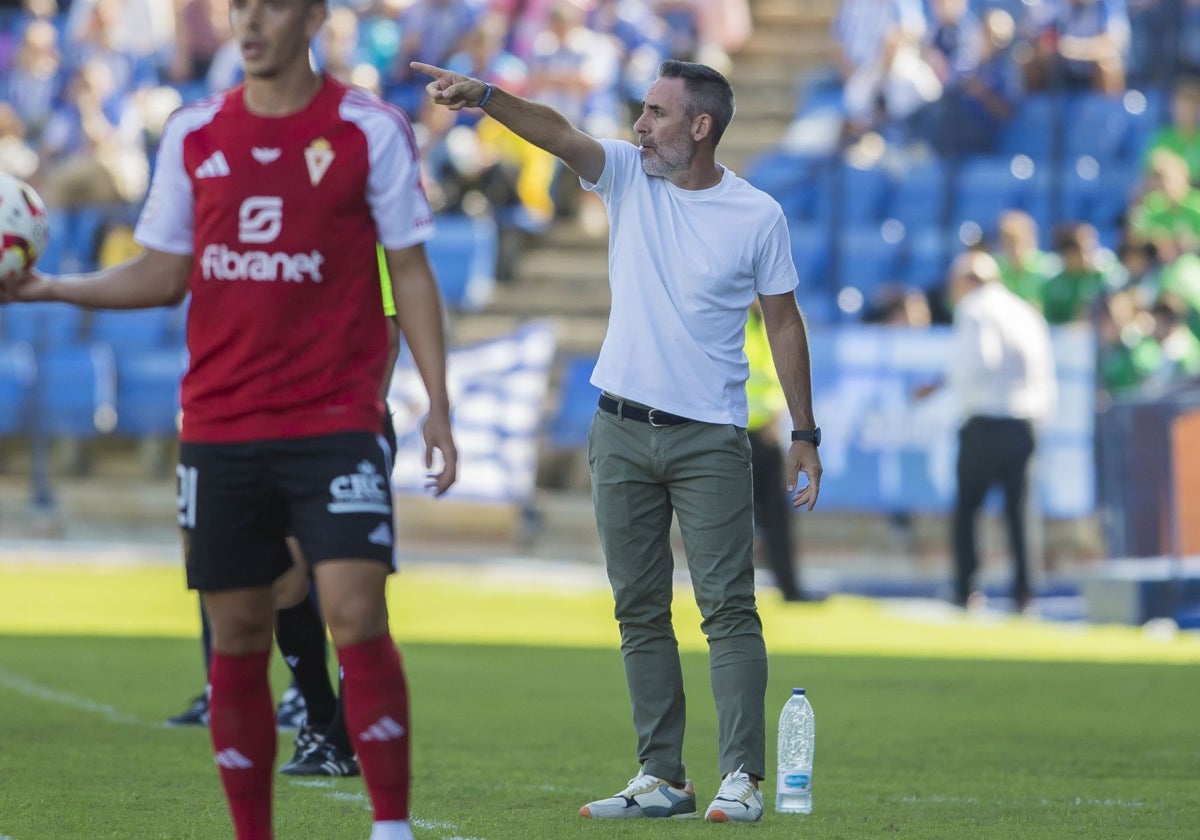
pixel 738 800
pixel 646 796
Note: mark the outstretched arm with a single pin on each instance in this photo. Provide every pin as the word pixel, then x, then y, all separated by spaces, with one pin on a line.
pixel 153 278
pixel 789 347
pixel 539 124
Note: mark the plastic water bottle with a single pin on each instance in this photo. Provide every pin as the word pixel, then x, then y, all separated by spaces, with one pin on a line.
pixel 796 730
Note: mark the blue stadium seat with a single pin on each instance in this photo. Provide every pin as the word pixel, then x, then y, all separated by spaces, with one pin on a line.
pixel 577 396
pixel 1097 125
pixel 148 391
pixel 984 187
pixel 851 195
pixel 927 257
pixel 1147 112
pixel 18 371
pixel 811 250
pixel 44 325
pixel 1030 129
pixel 463 253
pixel 817 305
pixel 785 177
pixel 1079 187
pixel 77 391
pixel 1118 183
pixel 1097 194
pixel 73 242
pixel 867 258
pixel 138 328
pixel 918 196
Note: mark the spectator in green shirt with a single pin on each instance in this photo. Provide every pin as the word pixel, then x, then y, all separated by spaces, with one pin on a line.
pixel 1182 134
pixel 1066 296
pixel 1169 213
pixel 1023 267
pixel 1126 351
pixel 1179 345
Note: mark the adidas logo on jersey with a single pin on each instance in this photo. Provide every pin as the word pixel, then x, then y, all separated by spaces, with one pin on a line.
pixel 230 759
pixel 214 167
pixel 382 535
pixel 384 729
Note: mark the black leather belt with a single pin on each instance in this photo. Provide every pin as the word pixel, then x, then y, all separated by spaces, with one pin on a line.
pixel 630 411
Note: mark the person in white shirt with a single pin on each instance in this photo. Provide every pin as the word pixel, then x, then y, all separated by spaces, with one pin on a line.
pixel 1001 371
pixel 690 247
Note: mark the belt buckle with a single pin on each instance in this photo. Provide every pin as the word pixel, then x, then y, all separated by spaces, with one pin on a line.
pixel 650 418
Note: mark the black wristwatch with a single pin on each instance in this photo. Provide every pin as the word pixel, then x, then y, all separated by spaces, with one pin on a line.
pixel 813 436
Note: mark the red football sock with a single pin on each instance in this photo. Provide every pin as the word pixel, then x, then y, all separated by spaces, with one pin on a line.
pixel 242 727
pixel 375 699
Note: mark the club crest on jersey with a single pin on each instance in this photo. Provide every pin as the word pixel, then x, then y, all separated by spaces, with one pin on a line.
pixel 318 156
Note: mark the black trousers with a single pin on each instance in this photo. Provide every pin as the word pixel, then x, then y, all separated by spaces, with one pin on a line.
pixel 993 451
pixel 772 514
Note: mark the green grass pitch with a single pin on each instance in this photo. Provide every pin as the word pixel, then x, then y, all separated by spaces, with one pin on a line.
pixel 929 724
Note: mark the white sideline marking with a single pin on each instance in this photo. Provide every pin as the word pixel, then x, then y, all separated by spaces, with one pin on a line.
pixel 434 825
pixel 428 825
pixel 32 689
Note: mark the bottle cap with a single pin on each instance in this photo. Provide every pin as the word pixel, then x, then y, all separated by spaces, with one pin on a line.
pixel 797 691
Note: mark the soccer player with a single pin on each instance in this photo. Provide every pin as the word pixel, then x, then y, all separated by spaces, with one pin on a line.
pixel 690 247
pixel 266 205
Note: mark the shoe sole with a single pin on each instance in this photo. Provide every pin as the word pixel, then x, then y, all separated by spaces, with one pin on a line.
pixel 722 817
pixel 690 815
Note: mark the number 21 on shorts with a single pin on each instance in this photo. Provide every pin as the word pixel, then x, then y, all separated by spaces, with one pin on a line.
pixel 185 498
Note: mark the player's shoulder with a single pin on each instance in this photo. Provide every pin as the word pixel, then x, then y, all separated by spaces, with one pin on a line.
pixel 187 118
pixel 361 105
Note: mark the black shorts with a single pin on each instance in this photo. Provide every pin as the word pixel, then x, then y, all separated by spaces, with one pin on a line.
pixel 237 502
pixel 389 432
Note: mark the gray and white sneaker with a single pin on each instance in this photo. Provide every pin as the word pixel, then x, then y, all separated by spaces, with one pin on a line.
pixel 646 796
pixel 738 800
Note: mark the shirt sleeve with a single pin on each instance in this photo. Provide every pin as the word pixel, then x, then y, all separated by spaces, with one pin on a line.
pixel 618 155
pixel 403 216
pixel 776 272
pixel 166 222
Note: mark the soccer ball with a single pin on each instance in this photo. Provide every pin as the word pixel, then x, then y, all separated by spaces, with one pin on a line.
pixel 24 227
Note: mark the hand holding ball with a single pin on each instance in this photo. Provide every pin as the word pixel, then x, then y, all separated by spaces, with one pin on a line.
pixel 24 229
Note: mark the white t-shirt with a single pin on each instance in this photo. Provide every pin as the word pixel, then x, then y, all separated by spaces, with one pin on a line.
pixel 684 267
pixel 1002 364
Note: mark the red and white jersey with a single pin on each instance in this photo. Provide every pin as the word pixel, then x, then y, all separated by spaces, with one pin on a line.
pixel 285 330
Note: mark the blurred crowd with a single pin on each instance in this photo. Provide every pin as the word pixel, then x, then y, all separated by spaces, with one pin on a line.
pixel 87 85
pixel 912 81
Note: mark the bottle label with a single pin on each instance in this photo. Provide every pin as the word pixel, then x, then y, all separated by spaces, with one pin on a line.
pixel 795 781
